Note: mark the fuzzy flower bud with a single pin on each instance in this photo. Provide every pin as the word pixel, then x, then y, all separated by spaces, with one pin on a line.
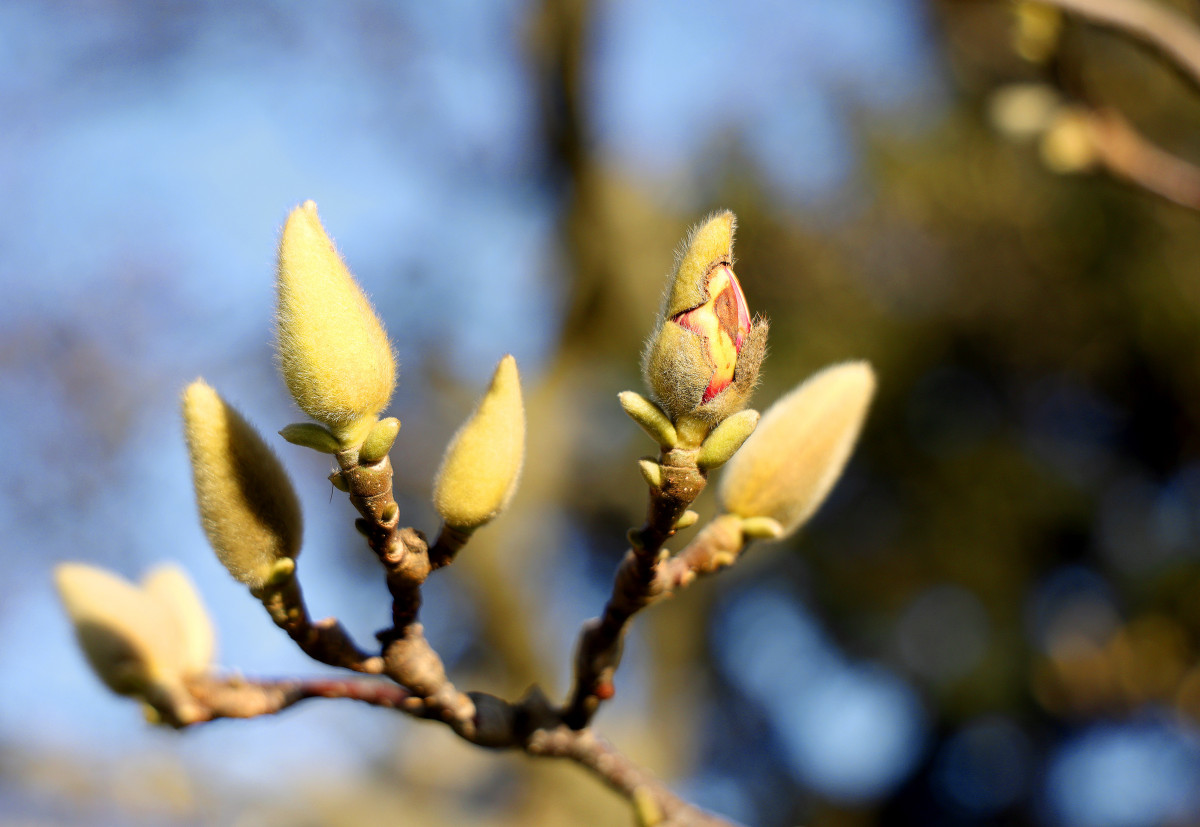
pixel 702 359
pixel 482 464
pixel 139 641
pixel 333 351
pixel 790 463
pixel 247 506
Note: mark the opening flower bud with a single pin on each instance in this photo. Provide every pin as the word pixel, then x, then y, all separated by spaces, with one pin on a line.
pixel 724 323
pixel 703 358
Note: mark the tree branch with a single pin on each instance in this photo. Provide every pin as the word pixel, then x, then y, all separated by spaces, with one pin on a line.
pixel 1129 156
pixel 235 697
pixel 598 652
pixel 1171 34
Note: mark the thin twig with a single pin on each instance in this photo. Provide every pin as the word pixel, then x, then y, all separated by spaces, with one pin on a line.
pixel 236 697
pixel 1162 28
pixel 325 641
pixel 598 652
pixel 588 750
pixel 1131 157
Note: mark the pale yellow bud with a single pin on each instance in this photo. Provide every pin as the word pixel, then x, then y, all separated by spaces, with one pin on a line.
pixel 132 641
pixel 247 506
pixel 333 350
pixel 170 587
pixel 789 464
pixel 482 464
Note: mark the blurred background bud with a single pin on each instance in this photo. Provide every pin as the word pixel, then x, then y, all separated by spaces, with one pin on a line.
pixel 139 641
pixel 247 506
pixel 482 464
pixel 789 464
pixel 1023 111
pixel 1067 147
pixel 333 351
pixel 1036 31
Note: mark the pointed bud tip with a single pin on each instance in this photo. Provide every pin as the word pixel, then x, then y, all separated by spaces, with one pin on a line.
pixel 334 353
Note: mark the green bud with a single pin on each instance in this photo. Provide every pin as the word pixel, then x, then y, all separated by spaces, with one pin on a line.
pixel 652 472
pixel 761 528
pixel 686 520
pixel 247 506
pixel 339 482
pixel 650 417
pixel 311 435
pixel 379 441
pixel 482 464
pixel 726 438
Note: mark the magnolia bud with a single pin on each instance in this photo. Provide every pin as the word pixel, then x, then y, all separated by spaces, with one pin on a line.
pixel 787 467
pixel 702 359
pixel 247 506
pixel 333 351
pixel 482 464
pixel 139 641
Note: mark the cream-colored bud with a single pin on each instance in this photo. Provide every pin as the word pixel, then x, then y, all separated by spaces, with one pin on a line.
pixel 247 506
pixel 131 640
pixel 482 464
pixel 333 350
pixel 789 464
pixel 170 587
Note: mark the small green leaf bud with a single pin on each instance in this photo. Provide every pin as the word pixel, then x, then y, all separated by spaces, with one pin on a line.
pixel 482 464
pixel 686 520
pixel 247 506
pixel 791 461
pixel 379 441
pixel 761 528
pixel 333 351
pixel 650 417
pixel 726 438
pixel 339 482
pixel 311 435
pixel 652 472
